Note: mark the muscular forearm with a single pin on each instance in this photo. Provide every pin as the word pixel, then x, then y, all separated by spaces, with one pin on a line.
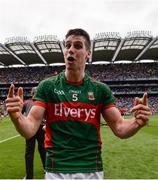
pixel 127 128
pixel 24 126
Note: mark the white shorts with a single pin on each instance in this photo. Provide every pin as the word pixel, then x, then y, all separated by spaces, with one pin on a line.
pixel 95 175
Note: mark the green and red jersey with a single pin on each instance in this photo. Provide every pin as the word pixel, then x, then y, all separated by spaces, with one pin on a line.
pixel 73 114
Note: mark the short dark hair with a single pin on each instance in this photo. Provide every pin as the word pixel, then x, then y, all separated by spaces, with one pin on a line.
pixel 80 32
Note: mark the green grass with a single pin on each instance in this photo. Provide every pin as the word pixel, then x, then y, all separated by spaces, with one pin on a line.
pixel 6 129
pixel 12 152
pixel 133 158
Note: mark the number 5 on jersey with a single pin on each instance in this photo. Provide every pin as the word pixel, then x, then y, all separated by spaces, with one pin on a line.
pixel 74 97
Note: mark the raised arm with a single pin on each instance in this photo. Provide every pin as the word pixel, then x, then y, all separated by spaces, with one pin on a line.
pixel 127 128
pixel 26 126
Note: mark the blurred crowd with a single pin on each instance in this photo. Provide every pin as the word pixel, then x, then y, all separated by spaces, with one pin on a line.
pixel 3 112
pixel 128 102
pixel 124 71
pixel 103 72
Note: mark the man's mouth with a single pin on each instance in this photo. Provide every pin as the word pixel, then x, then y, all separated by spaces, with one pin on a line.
pixel 70 58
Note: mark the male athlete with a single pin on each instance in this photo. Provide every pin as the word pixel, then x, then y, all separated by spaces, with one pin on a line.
pixel 73 104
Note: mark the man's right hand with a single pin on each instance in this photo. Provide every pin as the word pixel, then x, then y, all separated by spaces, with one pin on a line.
pixel 141 110
pixel 14 103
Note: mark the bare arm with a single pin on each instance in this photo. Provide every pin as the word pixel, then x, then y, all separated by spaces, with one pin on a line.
pixel 127 128
pixel 120 127
pixel 26 126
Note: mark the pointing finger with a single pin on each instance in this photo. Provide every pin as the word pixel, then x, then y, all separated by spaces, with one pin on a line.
pixel 20 92
pixel 145 99
pixel 11 91
pixel 136 102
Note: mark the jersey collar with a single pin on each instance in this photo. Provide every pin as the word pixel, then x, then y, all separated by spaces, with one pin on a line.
pixel 76 83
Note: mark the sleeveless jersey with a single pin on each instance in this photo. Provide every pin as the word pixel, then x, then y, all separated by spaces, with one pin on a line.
pixel 73 113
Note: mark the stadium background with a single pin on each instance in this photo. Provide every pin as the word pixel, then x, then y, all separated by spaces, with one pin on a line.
pixel 130 64
pixel 26 63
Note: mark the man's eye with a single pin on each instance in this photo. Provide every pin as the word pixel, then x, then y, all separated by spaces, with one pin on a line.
pixel 67 46
pixel 78 46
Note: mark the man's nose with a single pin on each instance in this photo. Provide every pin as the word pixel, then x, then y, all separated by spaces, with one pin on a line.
pixel 71 50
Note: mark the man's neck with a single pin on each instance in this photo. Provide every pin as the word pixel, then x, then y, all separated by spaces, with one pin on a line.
pixel 74 76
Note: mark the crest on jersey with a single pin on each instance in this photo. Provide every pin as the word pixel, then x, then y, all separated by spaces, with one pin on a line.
pixel 91 96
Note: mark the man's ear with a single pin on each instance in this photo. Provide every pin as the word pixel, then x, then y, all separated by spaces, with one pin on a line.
pixel 88 56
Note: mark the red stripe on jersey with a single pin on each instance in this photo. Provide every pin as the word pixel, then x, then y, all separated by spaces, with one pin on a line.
pixel 48 135
pixel 76 111
pixel 109 106
pixel 40 103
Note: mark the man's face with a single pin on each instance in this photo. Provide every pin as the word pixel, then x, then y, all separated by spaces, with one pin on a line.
pixel 75 52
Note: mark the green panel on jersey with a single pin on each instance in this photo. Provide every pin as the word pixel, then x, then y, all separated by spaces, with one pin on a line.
pixel 74 148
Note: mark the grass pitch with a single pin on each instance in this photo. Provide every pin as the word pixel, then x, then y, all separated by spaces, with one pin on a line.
pixel 133 158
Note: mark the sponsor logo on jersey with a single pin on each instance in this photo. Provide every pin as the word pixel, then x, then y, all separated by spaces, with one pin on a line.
pixel 71 91
pixel 79 113
pixel 59 92
pixel 91 96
